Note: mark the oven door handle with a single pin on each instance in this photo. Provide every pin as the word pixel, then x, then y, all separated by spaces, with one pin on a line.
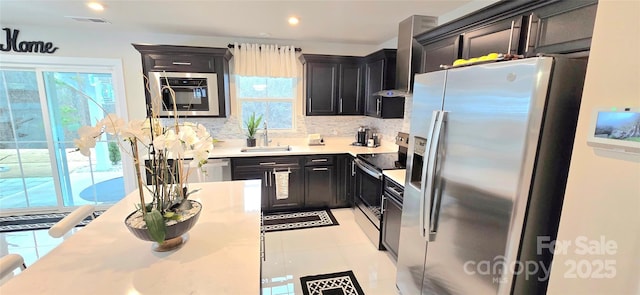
pixel 368 169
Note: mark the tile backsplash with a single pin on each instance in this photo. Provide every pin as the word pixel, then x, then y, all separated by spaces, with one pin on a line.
pixel 327 126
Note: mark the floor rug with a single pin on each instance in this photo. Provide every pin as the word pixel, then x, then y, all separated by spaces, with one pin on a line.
pixel 298 220
pixel 340 283
pixel 36 221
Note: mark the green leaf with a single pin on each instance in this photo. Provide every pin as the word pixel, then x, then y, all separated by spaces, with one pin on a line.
pixel 155 225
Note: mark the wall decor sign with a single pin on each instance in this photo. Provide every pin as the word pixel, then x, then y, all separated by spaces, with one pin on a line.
pixel 25 46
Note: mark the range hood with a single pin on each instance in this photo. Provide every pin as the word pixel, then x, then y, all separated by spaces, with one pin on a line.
pixel 409 54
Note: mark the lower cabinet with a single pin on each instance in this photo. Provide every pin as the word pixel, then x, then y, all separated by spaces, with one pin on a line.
pixel 391 224
pixel 264 168
pixel 346 181
pixel 320 186
pixel 319 181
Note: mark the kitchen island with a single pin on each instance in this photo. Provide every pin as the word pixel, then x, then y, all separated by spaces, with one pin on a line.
pixel 221 254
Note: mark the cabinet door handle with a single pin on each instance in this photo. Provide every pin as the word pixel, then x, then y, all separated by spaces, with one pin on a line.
pixel 341 105
pixel 266 180
pixel 310 105
pixel 531 17
pixel 267 163
pixel 181 63
pixel 378 106
pixel 513 24
pixel 353 168
pixel 320 169
pixel 319 160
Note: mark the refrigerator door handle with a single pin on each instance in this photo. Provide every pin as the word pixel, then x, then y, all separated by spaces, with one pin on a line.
pixel 425 198
pixel 436 198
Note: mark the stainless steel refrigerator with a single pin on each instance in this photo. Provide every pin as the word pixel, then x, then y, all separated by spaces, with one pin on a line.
pixel 488 158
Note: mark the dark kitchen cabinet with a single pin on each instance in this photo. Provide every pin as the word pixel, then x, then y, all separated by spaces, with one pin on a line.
pixel 441 52
pixel 350 89
pixel 346 181
pixel 518 27
pixel 380 74
pixel 499 37
pixel 263 168
pixel 391 215
pixel 333 85
pixel 189 59
pixel 563 27
pixel 320 181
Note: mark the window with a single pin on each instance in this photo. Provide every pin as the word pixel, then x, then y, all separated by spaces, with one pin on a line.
pixel 43 102
pixel 272 97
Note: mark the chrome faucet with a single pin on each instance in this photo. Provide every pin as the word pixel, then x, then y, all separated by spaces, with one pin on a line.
pixel 266 135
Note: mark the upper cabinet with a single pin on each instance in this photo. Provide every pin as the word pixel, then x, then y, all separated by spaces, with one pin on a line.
pixel 188 59
pixel 333 85
pixel 380 74
pixel 516 27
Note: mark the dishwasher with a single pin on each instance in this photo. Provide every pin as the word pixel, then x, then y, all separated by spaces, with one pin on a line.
pixel 214 170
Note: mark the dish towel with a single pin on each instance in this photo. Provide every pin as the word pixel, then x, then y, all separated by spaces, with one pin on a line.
pixel 282 184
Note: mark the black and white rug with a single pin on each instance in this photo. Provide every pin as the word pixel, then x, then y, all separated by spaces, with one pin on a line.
pixel 340 283
pixel 36 221
pixel 298 220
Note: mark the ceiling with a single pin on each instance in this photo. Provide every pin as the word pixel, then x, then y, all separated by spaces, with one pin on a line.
pixel 354 22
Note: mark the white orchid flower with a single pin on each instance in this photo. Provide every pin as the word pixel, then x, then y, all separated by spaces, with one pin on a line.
pixel 112 123
pixel 188 135
pixel 90 131
pixel 84 144
pixel 136 129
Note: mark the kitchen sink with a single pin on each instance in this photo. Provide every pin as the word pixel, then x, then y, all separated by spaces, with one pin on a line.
pixel 258 149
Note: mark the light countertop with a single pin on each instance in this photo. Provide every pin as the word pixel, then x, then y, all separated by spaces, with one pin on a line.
pixel 397 175
pixel 221 254
pixel 299 146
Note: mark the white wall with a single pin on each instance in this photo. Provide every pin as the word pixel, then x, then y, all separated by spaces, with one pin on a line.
pixel 603 191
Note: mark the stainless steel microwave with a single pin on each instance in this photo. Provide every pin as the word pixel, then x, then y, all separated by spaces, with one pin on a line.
pixel 196 94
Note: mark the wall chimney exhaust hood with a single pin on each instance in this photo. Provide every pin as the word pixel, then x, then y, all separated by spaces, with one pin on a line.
pixel 409 54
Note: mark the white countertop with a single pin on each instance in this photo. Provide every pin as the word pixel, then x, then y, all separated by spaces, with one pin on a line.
pixel 333 145
pixel 221 255
pixel 397 175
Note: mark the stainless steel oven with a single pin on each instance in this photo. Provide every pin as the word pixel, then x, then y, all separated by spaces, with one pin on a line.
pixel 196 94
pixel 369 190
pixel 368 200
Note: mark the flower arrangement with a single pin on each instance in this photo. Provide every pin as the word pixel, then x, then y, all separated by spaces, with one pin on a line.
pixel 166 148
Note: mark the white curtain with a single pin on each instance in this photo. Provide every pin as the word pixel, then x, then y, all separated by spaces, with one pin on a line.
pixel 265 60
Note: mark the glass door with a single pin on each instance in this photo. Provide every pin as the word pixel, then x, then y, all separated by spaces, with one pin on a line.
pixel 41 112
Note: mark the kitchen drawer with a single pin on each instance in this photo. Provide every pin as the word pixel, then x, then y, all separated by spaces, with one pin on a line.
pixel 253 162
pixel 319 160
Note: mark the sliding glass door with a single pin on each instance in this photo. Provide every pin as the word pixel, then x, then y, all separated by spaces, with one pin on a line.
pixel 41 110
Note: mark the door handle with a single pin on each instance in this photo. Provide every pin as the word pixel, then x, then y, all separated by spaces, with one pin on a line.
pixel 378 106
pixel 267 163
pixel 341 105
pixel 181 63
pixel 319 160
pixel 425 200
pixel 320 169
pixel 431 183
pixel 513 24
pixel 529 30
pixel 310 108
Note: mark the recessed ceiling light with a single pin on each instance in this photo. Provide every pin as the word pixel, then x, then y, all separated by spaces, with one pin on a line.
pixel 293 20
pixel 95 6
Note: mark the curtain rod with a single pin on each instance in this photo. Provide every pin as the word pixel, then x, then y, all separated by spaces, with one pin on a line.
pixel 233 46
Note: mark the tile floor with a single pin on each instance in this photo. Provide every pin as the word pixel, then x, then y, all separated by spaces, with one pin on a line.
pixel 289 255
pixel 298 253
